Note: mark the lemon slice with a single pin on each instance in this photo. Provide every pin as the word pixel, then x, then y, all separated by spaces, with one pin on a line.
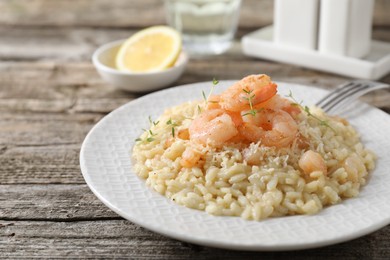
pixel 152 49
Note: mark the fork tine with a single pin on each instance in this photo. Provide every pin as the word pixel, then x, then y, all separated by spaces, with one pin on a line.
pixel 369 86
pixel 345 95
pixel 339 90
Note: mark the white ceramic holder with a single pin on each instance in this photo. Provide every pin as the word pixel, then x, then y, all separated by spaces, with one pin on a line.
pixel 375 65
pixel 345 27
pixel 296 22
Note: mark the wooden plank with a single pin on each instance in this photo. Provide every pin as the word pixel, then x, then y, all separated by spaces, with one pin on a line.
pixel 43 147
pixel 73 44
pixel 78 44
pixel 122 239
pixel 104 13
pixel 72 80
pixel 44 129
pixel 51 202
pixel 381 13
pixel 35 43
pixel 75 87
pixel 41 164
pixel 121 13
pixel 56 87
pixel 135 13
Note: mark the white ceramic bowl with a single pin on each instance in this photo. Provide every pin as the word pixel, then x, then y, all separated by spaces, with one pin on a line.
pixel 104 61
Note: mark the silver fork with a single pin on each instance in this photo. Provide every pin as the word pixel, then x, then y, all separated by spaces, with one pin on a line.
pixel 347 93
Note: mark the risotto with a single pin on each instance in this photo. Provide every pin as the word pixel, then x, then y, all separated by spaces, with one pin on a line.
pixel 265 156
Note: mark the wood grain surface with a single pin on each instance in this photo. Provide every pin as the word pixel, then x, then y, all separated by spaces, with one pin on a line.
pixel 51 96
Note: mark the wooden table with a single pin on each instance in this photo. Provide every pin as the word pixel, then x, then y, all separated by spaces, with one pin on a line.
pixel 51 96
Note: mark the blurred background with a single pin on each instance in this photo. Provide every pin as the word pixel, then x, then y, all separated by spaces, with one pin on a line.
pixel 72 29
pixel 51 42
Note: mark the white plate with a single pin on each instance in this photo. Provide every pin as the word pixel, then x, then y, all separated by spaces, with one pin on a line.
pixel 107 169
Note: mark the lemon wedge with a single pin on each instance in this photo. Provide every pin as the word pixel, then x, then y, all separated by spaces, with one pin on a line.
pixel 152 49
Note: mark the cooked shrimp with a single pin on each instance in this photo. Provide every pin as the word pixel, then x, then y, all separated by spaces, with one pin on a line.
pixel 279 103
pixel 183 134
pixel 235 98
pixel 272 128
pixel 213 102
pixel 214 126
pixel 190 158
pixel 236 117
pixel 311 161
pixel 302 142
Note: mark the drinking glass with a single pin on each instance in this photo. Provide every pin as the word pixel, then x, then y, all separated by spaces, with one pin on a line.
pixel 207 26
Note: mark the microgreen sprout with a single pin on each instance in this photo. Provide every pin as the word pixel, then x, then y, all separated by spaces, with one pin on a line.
pixel 199 109
pixel 215 82
pixel 153 122
pixel 308 112
pixel 206 98
pixel 149 138
pixel 250 97
pixel 172 124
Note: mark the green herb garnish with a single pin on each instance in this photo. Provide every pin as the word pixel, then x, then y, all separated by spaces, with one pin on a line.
pixel 215 81
pixel 250 97
pixel 150 136
pixel 173 131
pixel 308 112
pixel 172 124
pixel 206 99
pixel 153 122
